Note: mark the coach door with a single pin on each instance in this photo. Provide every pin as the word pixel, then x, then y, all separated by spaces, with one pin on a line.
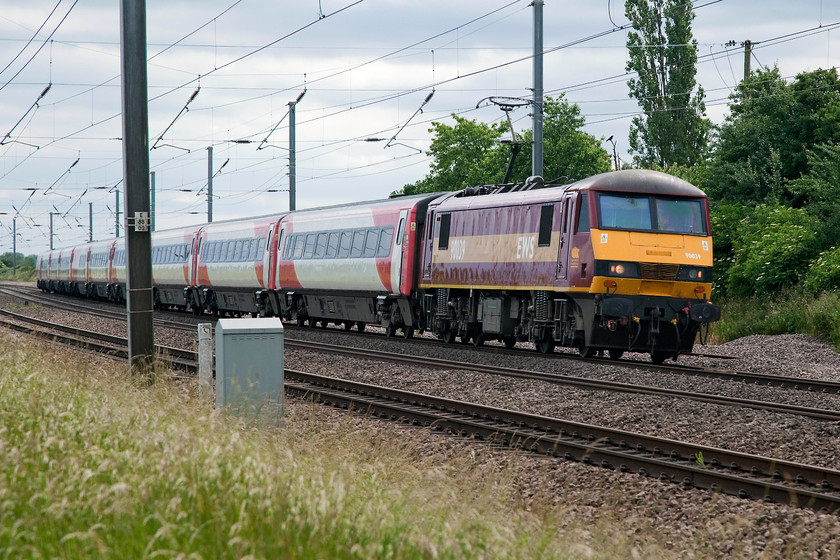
pixel 567 213
pixel 276 236
pixel 397 254
pixel 196 247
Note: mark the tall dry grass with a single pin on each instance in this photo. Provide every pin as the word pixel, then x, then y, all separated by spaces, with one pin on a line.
pixel 93 465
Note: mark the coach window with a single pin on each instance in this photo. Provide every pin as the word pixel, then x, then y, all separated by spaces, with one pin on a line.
pixel 332 245
pixel 344 245
pixel 279 244
pixel 290 243
pixel 358 243
pixel 321 246
pixel 371 242
pixel 400 231
pixel 443 236
pixel 546 218
pixel 386 237
pixel 309 248
pixel 299 242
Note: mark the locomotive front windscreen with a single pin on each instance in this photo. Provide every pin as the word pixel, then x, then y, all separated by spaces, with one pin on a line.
pixel 652 213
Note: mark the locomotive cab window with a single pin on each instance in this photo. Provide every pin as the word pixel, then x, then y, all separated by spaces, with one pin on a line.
pixel 652 213
pixel 583 215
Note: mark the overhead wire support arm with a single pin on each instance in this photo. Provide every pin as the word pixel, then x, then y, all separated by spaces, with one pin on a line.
pixel 72 165
pixel 181 112
pixel 292 104
pixel 417 112
pixel 5 139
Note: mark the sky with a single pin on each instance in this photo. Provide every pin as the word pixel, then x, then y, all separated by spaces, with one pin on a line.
pixel 222 74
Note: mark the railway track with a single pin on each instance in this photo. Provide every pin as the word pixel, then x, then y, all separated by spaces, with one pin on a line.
pixel 778 381
pixel 687 464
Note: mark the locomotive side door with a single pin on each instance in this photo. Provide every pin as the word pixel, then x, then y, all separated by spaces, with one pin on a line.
pixel 566 217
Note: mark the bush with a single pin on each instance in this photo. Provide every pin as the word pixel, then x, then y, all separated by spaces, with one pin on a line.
pixel 775 248
pixel 824 273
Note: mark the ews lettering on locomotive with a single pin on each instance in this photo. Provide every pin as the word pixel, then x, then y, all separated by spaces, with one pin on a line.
pixel 525 247
pixel 458 249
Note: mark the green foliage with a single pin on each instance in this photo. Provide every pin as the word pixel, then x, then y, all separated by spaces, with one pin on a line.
pixel 787 312
pixel 568 152
pixel 766 139
pixel 663 53
pixel 824 274
pixel 469 153
pixel 24 266
pixel 774 247
pixel 726 219
pixel 462 156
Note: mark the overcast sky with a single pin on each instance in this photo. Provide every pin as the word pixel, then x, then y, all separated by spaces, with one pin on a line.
pixel 366 67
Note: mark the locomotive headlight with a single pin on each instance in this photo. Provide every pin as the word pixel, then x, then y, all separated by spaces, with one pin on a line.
pixel 617 269
pixel 694 274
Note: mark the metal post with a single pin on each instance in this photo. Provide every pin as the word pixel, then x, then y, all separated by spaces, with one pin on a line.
pixel 135 120
pixel 51 230
pixel 90 220
pixel 292 163
pixel 152 213
pixel 14 246
pixel 117 223
pixel 205 360
pixel 537 160
pixel 209 184
pixel 747 56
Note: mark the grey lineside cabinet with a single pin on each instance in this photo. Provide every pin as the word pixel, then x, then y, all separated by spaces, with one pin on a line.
pixel 249 366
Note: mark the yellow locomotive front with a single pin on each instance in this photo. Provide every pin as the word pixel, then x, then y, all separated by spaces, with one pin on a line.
pixel 650 249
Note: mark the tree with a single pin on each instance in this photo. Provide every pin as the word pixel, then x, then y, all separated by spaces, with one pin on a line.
pixel 772 127
pixel 673 128
pixel 470 153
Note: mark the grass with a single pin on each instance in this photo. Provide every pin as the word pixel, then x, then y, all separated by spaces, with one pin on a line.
pixel 94 465
pixel 786 313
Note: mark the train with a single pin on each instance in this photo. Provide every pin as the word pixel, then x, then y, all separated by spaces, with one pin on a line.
pixel 616 262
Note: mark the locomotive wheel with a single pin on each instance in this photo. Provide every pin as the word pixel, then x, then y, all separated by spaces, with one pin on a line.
pixel 408 332
pixel 545 346
pixel 300 321
pixel 615 353
pixel 510 341
pixel 348 325
pixel 324 323
pixel 465 338
pixel 390 331
pixel 659 356
pixel 448 337
pixel 586 351
pixel 312 323
pixel 478 340
pixel 361 326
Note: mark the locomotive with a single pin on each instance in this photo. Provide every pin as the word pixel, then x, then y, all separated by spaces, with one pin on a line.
pixel 617 262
